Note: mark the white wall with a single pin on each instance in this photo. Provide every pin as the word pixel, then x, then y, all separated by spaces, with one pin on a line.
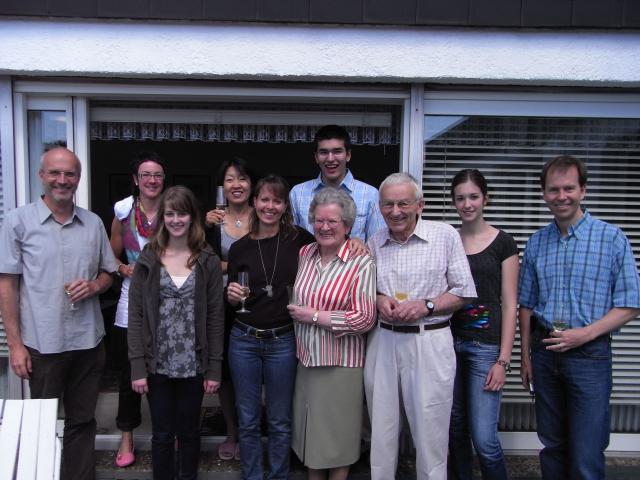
pixel 336 53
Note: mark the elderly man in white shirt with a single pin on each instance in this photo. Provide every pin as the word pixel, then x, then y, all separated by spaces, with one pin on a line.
pixel 422 277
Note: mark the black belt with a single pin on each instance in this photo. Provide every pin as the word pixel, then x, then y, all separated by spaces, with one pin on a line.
pixel 414 328
pixel 260 333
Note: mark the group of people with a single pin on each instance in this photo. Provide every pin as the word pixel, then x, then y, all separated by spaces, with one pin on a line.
pixel 334 298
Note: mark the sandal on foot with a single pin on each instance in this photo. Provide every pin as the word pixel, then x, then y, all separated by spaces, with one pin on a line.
pixel 226 450
pixel 125 459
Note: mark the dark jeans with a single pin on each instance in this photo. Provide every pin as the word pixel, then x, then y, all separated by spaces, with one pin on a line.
pixel 75 377
pixel 475 414
pixel 175 413
pixel 572 408
pixel 129 416
pixel 273 361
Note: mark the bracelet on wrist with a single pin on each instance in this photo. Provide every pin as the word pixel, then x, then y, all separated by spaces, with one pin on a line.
pixel 503 363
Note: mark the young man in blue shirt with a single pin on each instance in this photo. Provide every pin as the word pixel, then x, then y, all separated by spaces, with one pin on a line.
pixel 332 154
pixel 578 283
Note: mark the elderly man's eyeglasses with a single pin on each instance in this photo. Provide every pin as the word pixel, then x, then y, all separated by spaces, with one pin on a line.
pixel 331 223
pixel 149 176
pixel 402 204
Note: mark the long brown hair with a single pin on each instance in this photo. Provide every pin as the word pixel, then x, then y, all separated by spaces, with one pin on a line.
pixel 180 199
pixel 280 188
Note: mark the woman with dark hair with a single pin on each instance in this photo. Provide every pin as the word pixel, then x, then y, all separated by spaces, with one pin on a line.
pixel 237 180
pixel 483 333
pixel 262 346
pixel 133 224
pixel 176 326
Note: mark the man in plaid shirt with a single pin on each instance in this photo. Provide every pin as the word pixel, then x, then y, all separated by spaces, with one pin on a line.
pixel 423 276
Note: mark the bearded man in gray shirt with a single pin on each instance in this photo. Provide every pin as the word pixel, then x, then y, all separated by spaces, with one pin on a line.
pixel 55 261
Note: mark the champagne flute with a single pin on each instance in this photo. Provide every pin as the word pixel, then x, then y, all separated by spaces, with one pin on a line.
pixel 559 324
pixel 291 293
pixel 400 296
pixel 221 202
pixel 243 280
pixel 72 306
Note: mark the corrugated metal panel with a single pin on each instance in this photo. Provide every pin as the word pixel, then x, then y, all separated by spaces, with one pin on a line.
pixel 510 151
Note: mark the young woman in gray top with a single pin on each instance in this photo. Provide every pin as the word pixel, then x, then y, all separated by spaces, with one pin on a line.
pixel 175 334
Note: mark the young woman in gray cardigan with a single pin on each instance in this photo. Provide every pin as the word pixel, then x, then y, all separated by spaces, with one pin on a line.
pixel 176 327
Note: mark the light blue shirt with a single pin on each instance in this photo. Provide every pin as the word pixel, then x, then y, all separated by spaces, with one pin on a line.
pixel 580 277
pixel 368 217
pixel 46 254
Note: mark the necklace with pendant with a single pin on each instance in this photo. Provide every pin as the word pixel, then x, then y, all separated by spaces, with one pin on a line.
pixel 269 287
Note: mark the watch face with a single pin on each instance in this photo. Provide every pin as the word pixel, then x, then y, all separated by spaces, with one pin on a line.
pixel 430 305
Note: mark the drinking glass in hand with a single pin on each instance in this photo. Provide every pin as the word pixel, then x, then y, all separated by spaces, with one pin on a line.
pixel 243 281
pixel 559 325
pixel 221 202
pixel 72 306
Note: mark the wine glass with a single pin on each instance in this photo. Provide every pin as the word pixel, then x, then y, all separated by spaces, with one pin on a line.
pixel 72 306
pixel 221 202
pixel 400 296
pixel 559 324
pixel 243 281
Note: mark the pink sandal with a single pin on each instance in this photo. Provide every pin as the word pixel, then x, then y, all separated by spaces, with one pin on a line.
pixel 227 450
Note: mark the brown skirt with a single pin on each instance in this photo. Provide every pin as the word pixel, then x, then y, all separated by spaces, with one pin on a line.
pixel 327 416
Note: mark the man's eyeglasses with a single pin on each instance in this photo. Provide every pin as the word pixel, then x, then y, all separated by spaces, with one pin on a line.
pixel 331 223
pixel 402 204
pixel 149 176
pixel 57 173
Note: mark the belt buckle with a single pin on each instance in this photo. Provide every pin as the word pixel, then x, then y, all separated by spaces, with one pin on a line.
pixel 257 333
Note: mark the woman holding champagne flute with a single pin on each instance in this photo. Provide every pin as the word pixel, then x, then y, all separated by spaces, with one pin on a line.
pixel 483 334
pixel 262 344
pixel 225 225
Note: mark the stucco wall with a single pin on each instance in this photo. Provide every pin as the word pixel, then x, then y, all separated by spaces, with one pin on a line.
pixel 319 52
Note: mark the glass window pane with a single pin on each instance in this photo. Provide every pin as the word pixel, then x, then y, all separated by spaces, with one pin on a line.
pixel 46 129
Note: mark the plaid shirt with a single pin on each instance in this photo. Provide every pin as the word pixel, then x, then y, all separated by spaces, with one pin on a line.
pixel 580 277
pixel 431 262
pixel 368 217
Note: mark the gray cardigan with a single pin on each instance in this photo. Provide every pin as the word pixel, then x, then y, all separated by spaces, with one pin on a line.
pixel 144 306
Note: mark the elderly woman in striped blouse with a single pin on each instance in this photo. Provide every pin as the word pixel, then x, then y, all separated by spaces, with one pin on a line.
pixel 334 304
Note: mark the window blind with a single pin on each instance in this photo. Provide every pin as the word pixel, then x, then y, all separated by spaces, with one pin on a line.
pixel 510 152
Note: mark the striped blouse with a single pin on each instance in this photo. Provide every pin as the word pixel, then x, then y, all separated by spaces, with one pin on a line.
pixel 346 287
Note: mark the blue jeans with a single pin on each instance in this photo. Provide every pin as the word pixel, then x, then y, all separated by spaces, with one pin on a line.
pixel 252 362
pixel 175 404
pixel 572 408
pixel 475 414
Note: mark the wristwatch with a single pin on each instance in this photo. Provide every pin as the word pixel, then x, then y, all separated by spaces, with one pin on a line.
pixel 505 364
pixel 314 319
pixel 430 306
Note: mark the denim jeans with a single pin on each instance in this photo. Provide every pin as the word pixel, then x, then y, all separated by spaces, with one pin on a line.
pixel 475 414
pixel 572 408
pixel 272 361
pixel 174 404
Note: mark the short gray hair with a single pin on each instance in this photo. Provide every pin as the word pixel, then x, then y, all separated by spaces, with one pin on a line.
pixel 399 179
pixel 330 195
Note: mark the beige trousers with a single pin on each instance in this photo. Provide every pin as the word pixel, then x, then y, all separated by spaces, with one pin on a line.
pixel 417 370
